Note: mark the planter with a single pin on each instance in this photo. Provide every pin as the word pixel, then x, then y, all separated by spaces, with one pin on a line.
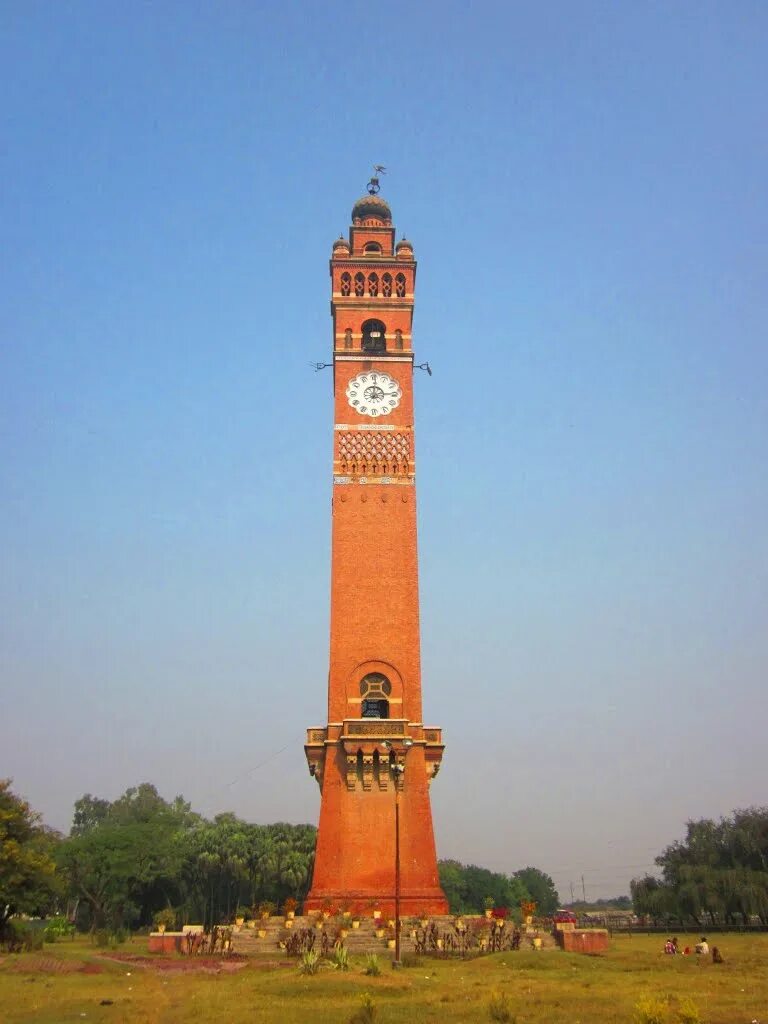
pixel 343 933
pixel 262 933
pixel 390 923
pixel 326 914
pixel 439 943
pixel 355 924
pixel 347 914
pixel 412 933
pixel 528 919
pixel 290 914
pixel 288 922
pixel 537 943
pixel 264 917
pixel 390 943
pixel 379 933
pixel 489 914
pixel 239 921
pixel 319 925
pixel 161 928
pixel 377 915
pixel 424 922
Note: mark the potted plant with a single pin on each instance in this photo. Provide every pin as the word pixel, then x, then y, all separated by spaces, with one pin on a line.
pixel 290 907
pixel 528 909
pixel 489 902
pixel 326 909
pixel 355 922
pixel 380 930
pixel 346 911
pixel 165 918
pixel 266 908
pixel 240 915
pixel 262 933
pixel 374 908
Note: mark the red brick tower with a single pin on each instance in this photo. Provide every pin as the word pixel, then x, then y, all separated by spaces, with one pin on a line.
pixel 375 751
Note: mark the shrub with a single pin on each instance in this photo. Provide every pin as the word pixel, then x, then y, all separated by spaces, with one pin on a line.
pixel 266 907
pixel 340 958
pixel 372 966
pixel 498 1007
pixel 650 1011
pixel 688 1012
pixel 367 1014
pixel 166 916
pixel 58 928
pixel 309 963
pixel 101 937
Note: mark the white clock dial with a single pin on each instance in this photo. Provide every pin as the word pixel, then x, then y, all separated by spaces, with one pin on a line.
pixel 374 394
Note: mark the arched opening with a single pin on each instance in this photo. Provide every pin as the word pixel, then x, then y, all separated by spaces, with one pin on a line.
pixel 400 286
pixel 372 249
pixel 373 285
pixel 359 285
pixel 399 340
pixel 346 283
pixel 374 336
pixel 386 286
pixel 348 338
pixel 374 689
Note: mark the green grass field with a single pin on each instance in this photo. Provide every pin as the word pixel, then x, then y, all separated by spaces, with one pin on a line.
pixel 68 981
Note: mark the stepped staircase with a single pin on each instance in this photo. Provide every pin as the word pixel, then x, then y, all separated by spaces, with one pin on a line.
pixel 247 942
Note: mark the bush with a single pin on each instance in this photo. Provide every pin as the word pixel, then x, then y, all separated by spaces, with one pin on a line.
pixel 367 1014
pixel 340 958
pixel 498 1007
pixel 372 966
pixel 101 937
pixel 688 1012
pixel 650 1011
pixel 58 928
pixel 309 963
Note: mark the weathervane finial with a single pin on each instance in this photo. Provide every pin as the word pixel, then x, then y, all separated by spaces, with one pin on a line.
pixel 373 184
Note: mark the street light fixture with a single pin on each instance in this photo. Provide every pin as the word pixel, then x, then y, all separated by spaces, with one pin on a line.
pixel 396 769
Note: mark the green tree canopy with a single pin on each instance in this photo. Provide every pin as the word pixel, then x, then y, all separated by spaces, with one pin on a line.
pixel 28 881
pixel 542 889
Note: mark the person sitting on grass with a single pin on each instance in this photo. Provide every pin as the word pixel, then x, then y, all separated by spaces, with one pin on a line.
pixel 702 948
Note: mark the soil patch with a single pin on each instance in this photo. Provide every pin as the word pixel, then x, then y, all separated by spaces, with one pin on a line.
pixel 180 965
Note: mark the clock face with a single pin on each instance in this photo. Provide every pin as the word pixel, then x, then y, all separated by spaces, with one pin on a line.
pixel 374 394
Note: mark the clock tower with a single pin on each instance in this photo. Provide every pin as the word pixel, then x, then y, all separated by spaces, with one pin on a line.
pixel 375 758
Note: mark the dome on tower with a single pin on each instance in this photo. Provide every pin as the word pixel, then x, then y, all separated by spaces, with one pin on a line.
pixel 339 244
pixel 371 206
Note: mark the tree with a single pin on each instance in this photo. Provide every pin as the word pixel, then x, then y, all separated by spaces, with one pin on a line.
pixel 718 873
pixel 28 882
pixel 542 890
pixel 467 886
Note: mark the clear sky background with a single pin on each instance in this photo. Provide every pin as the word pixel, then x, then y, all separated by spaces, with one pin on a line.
pixel 585 187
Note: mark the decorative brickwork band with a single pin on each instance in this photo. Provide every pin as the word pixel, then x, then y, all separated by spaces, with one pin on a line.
pixel 368 453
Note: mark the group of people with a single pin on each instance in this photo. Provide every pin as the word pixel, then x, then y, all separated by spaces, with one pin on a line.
pixel 701 949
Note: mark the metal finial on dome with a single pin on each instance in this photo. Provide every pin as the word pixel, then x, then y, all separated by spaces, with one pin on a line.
pixel 373 185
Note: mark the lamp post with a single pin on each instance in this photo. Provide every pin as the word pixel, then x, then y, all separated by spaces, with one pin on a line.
pixel 397 770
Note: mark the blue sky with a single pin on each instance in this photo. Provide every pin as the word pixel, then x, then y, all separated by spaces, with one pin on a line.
pixel 584 184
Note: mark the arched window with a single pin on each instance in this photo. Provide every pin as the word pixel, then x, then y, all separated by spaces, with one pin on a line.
pixel 346 283
pixel 373 285
pixel 386 286
pixel 348 338
pixel 374 336
pixel 399 340
pixel 360 285
pixel 400 286
pixel 372 249
pixel 374 689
